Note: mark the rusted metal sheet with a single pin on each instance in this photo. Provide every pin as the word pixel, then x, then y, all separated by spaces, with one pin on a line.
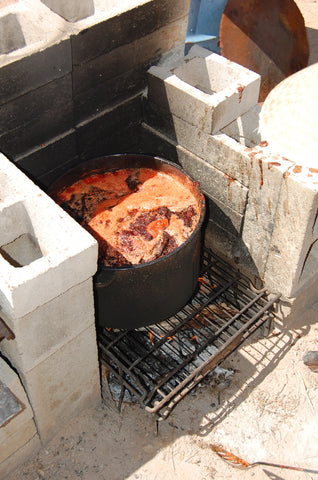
pixel 10 405
pixel 268 37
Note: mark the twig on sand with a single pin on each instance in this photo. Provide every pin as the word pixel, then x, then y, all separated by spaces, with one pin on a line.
pixel 306 392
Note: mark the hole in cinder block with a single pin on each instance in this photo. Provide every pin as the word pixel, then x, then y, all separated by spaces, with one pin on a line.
pixel 22 251
pixel 194 72
pixel 18 243
pixel 11 34
pixel 209 74
pixel 204 89
pixel 71 10
pixel 245 129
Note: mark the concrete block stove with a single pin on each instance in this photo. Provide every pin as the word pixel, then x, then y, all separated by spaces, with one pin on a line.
pixel 75 91
pixel 47 262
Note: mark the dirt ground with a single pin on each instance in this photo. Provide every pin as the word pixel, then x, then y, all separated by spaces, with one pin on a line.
pixel 269 412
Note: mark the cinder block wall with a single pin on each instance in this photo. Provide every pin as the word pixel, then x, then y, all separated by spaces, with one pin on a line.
pixel 75 93
pixel 262 207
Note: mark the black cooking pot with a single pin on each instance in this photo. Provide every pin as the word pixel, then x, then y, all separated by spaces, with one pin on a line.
pixel 148 293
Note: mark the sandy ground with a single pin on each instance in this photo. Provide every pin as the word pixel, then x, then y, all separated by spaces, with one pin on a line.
pixel 269 412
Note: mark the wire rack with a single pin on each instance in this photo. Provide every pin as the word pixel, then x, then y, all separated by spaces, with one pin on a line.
pixel 161 363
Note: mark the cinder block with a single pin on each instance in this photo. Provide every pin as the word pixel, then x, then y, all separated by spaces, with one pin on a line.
pixel 128 23
pixel 293 256
pixel 12 440
pixel 213 182
pixel 168 12
pixel 158 119
pixel 20 429
pixel 69 253
pixel 36 117
pixel 64 384
pixel 100 69
pixel 51 274
pixel 219 150
pixel 71 10
pixel 122 140
pixel 206 90
pixel 224 216
pixel 46 180
pixel 95 136
pixel 231 248
pixel 158 145
pixel 49 156
pixel 230 157
pixel 45 330
pixel 111 33
pixel 35 70
pixel 20 456
pixel 161 41
pixel 108 95
pixel 14 223
pixel 220 240
pixel 121 73
pixel 266 177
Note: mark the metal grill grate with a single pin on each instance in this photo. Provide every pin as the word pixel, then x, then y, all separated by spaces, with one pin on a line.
pixel 160 364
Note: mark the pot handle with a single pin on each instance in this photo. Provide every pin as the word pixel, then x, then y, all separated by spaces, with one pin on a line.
pixel 103 284
pixel 101 281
